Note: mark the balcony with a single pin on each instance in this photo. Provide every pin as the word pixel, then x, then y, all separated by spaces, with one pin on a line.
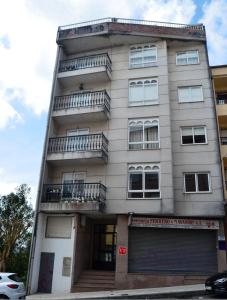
pixel 223 146
pixel 92 34
pixel 221 108
pixel 82 106
pixel 92 147
pixel 77 197
pixel 93 68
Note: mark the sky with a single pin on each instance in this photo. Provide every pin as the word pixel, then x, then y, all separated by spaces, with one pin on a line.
pixel 28 31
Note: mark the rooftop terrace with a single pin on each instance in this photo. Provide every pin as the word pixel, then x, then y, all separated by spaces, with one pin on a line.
pixel 118 25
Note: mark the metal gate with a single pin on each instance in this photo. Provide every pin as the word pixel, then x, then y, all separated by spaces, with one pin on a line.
pixel 182 251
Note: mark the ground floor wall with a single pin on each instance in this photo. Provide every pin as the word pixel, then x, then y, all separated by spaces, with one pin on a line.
pixel 136 255
pixel 125 278
pixel 55 240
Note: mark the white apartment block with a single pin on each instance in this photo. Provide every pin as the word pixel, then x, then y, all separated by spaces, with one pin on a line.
pixel 130 191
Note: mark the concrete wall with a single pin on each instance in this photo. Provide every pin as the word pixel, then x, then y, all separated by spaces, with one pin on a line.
pixel 35 258
pixel 194 158
pixel 83 254
pixel 114 174
pixel 62 248
pixel 174 158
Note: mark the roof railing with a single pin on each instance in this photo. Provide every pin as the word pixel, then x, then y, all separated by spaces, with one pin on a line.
pixel 132 21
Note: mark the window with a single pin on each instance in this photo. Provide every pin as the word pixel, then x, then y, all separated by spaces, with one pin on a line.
pixel 143 181
pixel 58 227
pixel 73 185
pixel 196 182
pixel 142 56
pixel 15 277
pixel 187 57
pixel 75 132
pixel 143 134
pixel 193 135
pixel 142 92
pixel 190 93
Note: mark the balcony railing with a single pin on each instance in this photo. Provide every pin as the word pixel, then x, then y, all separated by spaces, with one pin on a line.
pixel 83 99
pixel 84 62
pixel 223 140
pixel 76 192
pixel 131 21
pixel 221 101
pixel 87 142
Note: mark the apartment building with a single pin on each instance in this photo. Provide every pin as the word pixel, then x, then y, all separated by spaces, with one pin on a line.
pixel 219 76
pixel 130 191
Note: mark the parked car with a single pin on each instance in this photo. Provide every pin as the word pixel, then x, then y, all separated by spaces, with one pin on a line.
pixel 217 284
pixel 11 286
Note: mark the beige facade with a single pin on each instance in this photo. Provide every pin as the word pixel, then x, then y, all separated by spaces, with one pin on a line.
pixel 92 163
pixel 219 79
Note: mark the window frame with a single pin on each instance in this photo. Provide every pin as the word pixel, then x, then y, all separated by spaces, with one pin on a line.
pixel 196 183
pixel 155 168
pixel 193 135
pixel 143 102
pixel 190 87
pixel 143 143
pixel 69 234
pixel 142 47
pixel 187 52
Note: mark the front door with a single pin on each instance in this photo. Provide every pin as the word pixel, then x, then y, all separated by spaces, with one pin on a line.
pixel 46 272
pixel 104 249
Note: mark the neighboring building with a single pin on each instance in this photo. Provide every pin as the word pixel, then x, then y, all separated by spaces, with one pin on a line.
pixel 219 75
pixel 130 191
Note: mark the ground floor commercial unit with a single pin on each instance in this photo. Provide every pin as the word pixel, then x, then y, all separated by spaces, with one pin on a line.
pixel 123 251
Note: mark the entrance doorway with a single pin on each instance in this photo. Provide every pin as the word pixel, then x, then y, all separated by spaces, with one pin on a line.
pixel 104 247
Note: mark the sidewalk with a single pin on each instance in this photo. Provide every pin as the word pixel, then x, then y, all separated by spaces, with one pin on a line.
pixel 152 293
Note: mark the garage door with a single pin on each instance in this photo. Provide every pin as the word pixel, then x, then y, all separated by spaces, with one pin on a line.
pixel 172 251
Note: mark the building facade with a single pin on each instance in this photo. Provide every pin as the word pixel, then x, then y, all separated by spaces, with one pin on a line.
pixel 219 76
pixel 130 191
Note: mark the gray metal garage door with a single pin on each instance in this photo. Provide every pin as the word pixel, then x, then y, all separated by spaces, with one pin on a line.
pixel 172 251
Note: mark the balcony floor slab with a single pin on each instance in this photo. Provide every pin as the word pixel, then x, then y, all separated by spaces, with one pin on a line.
pixel 88 75
pixel 80 114
pixel 87 207
pixel 66 158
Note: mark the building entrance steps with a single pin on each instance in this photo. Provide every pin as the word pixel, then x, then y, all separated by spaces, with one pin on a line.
pixel 94 280
pixel 153 293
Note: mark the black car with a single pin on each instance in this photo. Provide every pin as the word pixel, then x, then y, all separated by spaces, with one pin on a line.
pixel 217 283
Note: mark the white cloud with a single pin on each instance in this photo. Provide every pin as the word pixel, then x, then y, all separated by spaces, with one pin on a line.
pixel 175 11
pixel 28 29
pixel 8 114
pixel 27 64
pixel 215 20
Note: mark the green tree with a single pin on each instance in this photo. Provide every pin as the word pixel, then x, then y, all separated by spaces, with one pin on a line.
pixel 16 218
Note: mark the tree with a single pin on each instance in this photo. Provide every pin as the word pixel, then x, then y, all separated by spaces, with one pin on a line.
pixel 16 218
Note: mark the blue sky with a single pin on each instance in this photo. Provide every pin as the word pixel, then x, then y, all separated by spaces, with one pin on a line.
pixel 27 55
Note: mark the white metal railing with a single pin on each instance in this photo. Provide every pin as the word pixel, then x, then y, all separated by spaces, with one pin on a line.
pixel 83 99
pixel 86 142
pixel 91 61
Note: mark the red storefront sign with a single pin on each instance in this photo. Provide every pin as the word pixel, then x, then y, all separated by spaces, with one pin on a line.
pixel 122 250
pixel 174 223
